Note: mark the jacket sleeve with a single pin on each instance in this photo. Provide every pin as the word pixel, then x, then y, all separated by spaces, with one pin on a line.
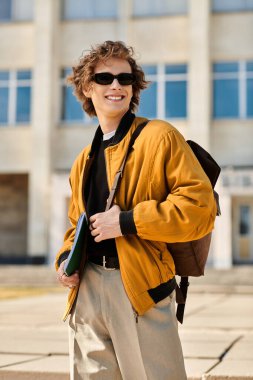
pixel 188 209
pixel 73 215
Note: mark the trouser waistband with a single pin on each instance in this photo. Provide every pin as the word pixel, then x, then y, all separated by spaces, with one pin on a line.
pixel 107 262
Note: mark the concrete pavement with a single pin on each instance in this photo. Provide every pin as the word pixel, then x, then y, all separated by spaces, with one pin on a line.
pixel 217 334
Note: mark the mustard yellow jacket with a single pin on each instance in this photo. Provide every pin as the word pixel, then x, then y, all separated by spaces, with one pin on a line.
pixel 171 198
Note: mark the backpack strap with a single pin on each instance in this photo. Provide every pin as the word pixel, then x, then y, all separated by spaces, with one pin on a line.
pixel 119 173
pixel 181 295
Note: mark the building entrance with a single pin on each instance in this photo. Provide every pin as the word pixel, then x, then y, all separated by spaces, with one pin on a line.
pixel 243 230
pixel 14 216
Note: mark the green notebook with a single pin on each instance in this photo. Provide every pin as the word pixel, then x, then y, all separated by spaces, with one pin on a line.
pixel 75 255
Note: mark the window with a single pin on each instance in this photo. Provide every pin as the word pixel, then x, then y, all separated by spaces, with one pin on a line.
pixel 233 90
pixel 244 225
pixel 15 97
pixel 71 109
pixel 232 5
pixel 16 10
pixel 159 7
pixel 88 9
pixel 166 96
pixel 148 99
pixel 249 95
pixel 175 91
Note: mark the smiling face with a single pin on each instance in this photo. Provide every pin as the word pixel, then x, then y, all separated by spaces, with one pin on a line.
pixel 111 101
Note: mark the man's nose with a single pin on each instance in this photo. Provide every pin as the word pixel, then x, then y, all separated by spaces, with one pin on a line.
pixel 115 83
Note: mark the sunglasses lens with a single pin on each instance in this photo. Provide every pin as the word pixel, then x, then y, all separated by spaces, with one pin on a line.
pixel 104 78
pixel 125 79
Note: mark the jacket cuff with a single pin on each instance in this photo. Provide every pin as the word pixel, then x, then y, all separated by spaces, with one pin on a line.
pixel 126 221
pixel 63 257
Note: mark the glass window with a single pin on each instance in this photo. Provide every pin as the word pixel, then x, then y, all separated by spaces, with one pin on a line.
pixel 23 104
pixel 148 106
pixel 166 96
pixel 225 98
pixel 244 220
pixel 250 97
pixel 148 97
pixel 226 90
pixel 21 10
pixel 176 99
pixel 232 5
pixel 233 90
pixel 15 96
pixel 5 10
pixel 87 9
pixel 225 67
pixel 149 69
pixel 159 7
pixel 71 108
pixel 249 66
pixel 4 75
pixel 175 91
pixel 175 69
pixel 4 95
pixel 24 74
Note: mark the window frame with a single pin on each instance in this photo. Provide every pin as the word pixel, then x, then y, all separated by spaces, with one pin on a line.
pixel 242 75
pixel 162 13
pixel 162 78
pixel 13 12
pixel 13 83
pixel 243 8
pixel 95 16
pixel 86 119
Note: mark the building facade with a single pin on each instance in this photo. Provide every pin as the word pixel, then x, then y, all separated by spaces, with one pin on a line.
pixel 198 55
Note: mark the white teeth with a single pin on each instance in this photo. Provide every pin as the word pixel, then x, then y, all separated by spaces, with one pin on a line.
pixel 114 97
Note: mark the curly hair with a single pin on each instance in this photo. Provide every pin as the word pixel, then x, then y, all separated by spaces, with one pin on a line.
pixel 80 79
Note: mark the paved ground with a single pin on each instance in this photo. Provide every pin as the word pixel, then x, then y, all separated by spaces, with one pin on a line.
pixel 217 335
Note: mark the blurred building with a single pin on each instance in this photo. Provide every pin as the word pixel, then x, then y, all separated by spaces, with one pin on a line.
pixel 198 55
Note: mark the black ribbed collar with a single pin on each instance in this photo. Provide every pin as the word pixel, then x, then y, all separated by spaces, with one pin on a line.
pixel 123 128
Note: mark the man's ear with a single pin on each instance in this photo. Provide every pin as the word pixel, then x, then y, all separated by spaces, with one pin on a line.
pixel 88 91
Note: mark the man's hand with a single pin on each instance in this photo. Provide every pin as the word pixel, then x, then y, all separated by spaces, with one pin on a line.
pixel 67 281
pixel 105 225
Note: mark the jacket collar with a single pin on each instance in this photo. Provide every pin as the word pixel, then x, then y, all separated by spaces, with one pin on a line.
pixel 121 132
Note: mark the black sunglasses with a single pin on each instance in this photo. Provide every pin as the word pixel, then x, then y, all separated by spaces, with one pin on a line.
pixel 124 79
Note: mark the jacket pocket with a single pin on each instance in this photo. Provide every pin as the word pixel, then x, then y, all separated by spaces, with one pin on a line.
pixel 156 253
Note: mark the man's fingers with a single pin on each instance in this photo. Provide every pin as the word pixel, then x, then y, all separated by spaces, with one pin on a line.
pixel 93 218
pixel 98 238
pixel 95 232
pixel 92 226
pixel 69 281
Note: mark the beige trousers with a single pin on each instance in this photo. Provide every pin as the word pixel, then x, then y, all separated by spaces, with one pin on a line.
pixel 106 342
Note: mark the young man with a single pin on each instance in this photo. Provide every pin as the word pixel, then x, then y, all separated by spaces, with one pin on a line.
pixel 122 304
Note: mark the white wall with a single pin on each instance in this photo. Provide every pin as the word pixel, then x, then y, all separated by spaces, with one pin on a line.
pixel 68 143
pixel 232 142
pixel 15 151
pixel 232 36
pixel 17 45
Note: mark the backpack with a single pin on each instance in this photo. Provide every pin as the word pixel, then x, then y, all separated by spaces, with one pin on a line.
pixel 189 257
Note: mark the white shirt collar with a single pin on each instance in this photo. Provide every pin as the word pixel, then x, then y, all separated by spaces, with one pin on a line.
pixel 109 135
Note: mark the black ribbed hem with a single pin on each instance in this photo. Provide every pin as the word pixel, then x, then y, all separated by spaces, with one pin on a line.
pixel 126 221
pixel 63 257
pixel 163 290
